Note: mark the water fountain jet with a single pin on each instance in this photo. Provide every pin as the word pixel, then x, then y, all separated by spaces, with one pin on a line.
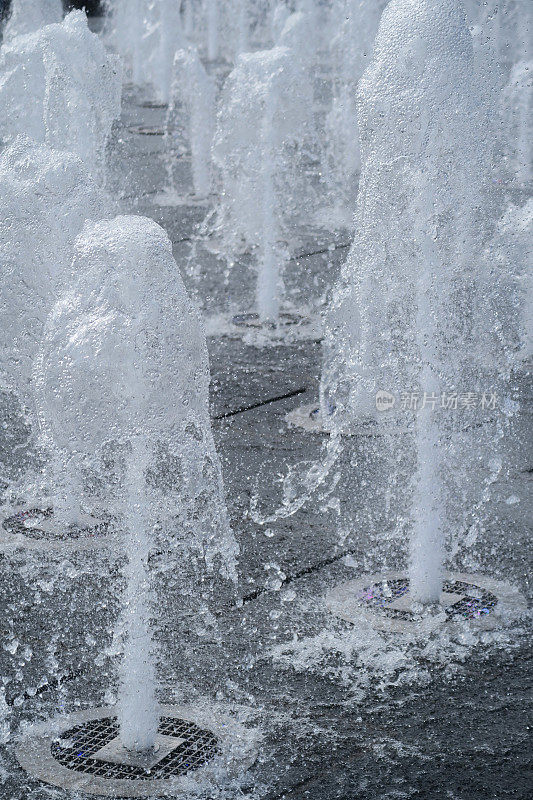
pixel 193 91
pixel 60 86
pixel 124 365
pixel 413 312
pixel 27 16
pixel 47 195
pixel 259 175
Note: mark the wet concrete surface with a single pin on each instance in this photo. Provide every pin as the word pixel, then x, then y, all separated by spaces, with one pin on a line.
pixel 388 719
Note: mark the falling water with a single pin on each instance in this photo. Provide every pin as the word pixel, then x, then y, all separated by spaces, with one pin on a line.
pixel 242 27
pixel 62 88
pixel 269 268
pixel 194 91
pixel 123 365
pixel 415 273
pixel 211 12
pixel 262 179
pixel 27 16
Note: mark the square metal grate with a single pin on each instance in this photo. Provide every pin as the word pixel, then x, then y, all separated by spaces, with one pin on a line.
pixel 76 748
pixel 474 601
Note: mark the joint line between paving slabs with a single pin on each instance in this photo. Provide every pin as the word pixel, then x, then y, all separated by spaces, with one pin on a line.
pixel 241 410
pixel 320 252
pixel 325 562
pixel 55 683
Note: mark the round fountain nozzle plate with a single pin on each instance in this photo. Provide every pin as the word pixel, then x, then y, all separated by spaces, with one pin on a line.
pixel 385 600
pixel 36 528
pixel 83 752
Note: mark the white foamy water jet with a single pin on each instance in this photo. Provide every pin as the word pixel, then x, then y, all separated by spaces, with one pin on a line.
pixel 188 18
pixel 194 91
pixel 59 86
pixel 147 34
pixel 512 244
pixel 126 31
pixel 300 36
pixel 243 24
pixel 166 37
pixel 211 12
pixel 350 50
pixel 124 371
pixel 417 306
pixel 45 198
pixel 279 16
pixel 264 121
pixel 517 110
pixel 27 16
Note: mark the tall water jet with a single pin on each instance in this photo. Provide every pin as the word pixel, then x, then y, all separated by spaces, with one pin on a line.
pixel 167 37
pixel 412 312
pixel 124 366
pixel 27 16
pixel 351 50
pixel 279 16
pixel 243 25
pixel 46 195
pixel 126 30
pixel 516 109
pixel 188 18
pixel 212 23
pixel 194 91
pixel 59 86
pixel 512 245
pixel 267 91
pixel 300 36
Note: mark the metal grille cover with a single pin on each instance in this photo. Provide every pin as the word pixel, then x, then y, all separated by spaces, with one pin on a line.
pixel 75 749
pixel 475 601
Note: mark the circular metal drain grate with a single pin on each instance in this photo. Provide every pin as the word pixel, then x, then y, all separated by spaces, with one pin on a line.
pixel 82 752
pixel 385 601
pixel 77 749
pixel 31 522
pixel 459 599
pixel 251 320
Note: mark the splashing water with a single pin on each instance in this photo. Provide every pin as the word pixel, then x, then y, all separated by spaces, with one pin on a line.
pixel 516 105
pixel 195 91
pixel 211 15
pixel 351 49
pixel 125 31
pixel 124 365
pixel 28 16
pixel 45 197
pixel 397 319
pixel 59 86
pixel 258 173
pixel 167 35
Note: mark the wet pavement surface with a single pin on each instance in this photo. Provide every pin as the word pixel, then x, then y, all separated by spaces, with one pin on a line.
pixel 343 712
